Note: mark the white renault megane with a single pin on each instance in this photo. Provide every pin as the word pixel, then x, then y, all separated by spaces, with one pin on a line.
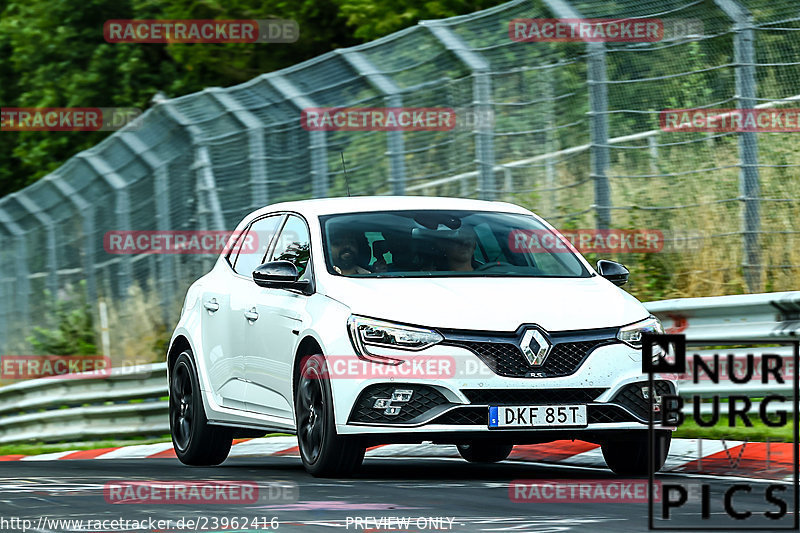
pixel 361 321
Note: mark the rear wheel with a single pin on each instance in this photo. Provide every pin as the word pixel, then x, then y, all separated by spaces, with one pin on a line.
pixel 196 442
pixel 631 457
pixel 323 451
pixel 480 452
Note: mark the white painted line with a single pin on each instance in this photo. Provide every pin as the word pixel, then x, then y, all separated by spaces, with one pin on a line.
pixel 414 450
pixel 263 446
pixel 139 451
pixel 47 456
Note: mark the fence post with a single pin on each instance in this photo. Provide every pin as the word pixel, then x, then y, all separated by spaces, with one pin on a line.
pixel 5 310
pixel 204 175
pixel 598 116
pixel 393 98
pixel 482 99
pixel 87 218
pixel 551 142
pixel 122 210
pixel 255 137
pixel 45 220
pixel 316 139
pixel 749 185
pixel 166 281
pixel 21 262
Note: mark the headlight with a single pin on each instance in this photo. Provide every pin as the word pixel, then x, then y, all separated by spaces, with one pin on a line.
pixel 632 335
pixel 365 332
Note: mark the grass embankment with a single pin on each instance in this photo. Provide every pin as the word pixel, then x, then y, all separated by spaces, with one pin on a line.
pixel 759 432
pixel 38 448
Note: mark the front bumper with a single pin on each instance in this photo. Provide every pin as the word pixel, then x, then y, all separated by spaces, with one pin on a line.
pixel 607 378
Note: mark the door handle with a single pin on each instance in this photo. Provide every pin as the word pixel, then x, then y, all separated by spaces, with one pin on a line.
pixel 251 315
pixel 212 306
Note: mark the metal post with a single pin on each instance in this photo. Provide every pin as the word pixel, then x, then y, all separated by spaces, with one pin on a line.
pixel 551 143
pixel 317 139
pixel 482 99
pixel 393 97
pixel 166 278
pixel 749 183
pixel 652 146
pixel 598 106
pixel 45 220
pixel 122 209
pixel 204 175
pixel 598 117
pixel 21 262
pixel 5 342
pixel 86 211
pixel 255 138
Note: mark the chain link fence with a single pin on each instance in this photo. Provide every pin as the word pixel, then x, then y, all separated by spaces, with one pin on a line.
pixel 568 129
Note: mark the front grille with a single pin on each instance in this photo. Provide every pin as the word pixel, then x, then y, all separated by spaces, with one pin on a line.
pixel 632 398
pixel 464 416
pixel 470 416
pixel 531 396
pixel 603 414
pixel 506 359
pixel 423 400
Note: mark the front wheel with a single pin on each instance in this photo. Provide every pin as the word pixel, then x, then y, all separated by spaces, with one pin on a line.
pixel 323 451
pixel 196 442
pixel 480 452
pixel 631 457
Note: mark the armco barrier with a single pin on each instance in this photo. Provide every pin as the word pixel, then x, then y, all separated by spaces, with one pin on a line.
pixel 72 409
pixel 51 410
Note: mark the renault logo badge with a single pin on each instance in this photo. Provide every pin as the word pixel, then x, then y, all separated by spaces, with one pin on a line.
pixel 535 347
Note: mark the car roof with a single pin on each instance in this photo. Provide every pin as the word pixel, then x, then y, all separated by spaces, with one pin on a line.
pixel 359 204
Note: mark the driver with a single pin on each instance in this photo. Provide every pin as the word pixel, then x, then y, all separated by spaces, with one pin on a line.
pixel 459 249
pixel 345 246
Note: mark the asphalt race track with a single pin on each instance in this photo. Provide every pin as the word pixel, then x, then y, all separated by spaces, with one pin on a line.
pixel 440 494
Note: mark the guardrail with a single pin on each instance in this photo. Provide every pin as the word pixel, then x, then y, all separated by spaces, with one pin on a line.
pixel 771 317
pixel 130 401
pixel 50 410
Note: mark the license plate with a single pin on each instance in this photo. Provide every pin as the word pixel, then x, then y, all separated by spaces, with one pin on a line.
pixel 506 416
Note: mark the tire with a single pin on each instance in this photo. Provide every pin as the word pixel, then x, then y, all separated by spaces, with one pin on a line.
pixel 196 442
pixel 630 457
pixel 324 453
pixel 480 452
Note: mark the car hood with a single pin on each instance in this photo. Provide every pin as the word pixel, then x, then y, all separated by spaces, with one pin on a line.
pixel 491 304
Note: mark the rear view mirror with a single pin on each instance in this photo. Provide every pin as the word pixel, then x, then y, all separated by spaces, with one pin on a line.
pixel 613 272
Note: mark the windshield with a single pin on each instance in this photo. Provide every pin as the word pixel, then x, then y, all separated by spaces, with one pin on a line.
pixel 445 243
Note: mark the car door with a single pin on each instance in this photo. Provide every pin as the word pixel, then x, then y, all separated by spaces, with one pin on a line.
pixel 241 287
pixel 272 338
pixel 225 368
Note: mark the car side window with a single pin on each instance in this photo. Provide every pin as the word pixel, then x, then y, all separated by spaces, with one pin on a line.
pixel 293 244
pixel 250 255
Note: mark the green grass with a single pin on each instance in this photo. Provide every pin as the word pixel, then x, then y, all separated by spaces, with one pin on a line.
pixel 760 432
pixel 37 448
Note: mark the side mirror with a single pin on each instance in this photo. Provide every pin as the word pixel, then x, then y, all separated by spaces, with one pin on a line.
pixel 279 275
pixel 613 272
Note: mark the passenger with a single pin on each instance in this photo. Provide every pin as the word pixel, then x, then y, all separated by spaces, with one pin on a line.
pixel 401 246
pixel 459 250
